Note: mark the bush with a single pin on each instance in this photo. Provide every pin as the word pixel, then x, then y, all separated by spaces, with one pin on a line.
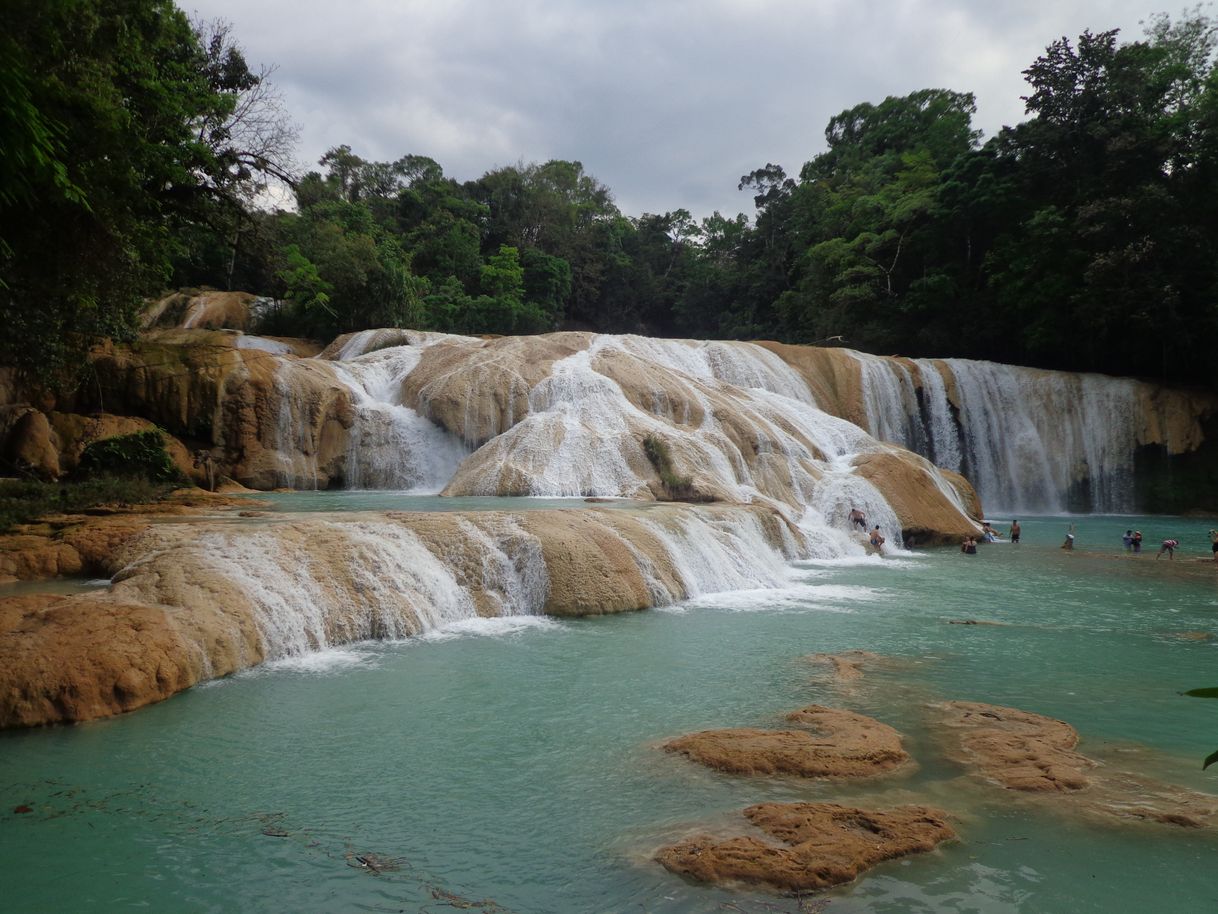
pixel 24 501
pixel 677 488
pixel 138 455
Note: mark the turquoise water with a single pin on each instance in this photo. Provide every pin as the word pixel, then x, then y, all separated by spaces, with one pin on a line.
pixel 512 765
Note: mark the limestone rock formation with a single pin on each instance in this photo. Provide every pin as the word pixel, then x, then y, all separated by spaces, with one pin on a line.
pixel 207 598
pixel 817 845
pixel 1018 749
pixel 27 441
pixel 1023 751
pixel 836 744
pixel 205 310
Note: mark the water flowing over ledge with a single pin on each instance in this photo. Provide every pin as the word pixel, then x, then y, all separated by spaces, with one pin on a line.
pixel 198 600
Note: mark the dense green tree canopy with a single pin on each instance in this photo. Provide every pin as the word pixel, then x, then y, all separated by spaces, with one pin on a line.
pixel 133 146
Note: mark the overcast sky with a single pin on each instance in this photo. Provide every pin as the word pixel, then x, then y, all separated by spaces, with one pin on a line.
pixel 667 102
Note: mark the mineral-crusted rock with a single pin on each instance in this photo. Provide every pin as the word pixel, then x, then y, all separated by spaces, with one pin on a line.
pixel 818 845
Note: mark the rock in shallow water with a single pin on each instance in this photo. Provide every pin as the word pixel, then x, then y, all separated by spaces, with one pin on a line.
pixel 837 744
pixel 822 845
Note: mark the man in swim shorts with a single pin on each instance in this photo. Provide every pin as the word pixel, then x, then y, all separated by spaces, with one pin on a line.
pixel 877 539
pixel 1014 531
pixel 1214 543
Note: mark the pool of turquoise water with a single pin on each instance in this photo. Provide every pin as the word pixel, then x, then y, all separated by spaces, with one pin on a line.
pixel 513 765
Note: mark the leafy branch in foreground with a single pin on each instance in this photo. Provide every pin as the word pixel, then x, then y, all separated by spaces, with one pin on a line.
pixel 1205 693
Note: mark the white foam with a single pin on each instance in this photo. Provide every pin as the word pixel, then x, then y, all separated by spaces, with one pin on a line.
pixel 318 663
pixel 501 627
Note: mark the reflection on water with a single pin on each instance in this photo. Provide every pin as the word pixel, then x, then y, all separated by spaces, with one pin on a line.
pixel 513 766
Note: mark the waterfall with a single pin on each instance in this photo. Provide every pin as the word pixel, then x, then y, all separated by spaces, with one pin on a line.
pixel 391 446
pixel 1030 441
pixel 308 585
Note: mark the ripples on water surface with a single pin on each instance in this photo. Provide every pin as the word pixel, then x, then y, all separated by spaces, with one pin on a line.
pixel 511 765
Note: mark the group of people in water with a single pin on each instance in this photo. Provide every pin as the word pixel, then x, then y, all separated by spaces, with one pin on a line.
pixel 1132 539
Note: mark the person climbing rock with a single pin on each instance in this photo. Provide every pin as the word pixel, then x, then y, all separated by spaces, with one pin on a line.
pixel 1169 546
pixel 877 539
pixel 859 518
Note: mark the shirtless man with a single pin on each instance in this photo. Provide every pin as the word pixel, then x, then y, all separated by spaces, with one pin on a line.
pixel 858 517
pixel 1015 532
pixel 1214 543
pixel 877 539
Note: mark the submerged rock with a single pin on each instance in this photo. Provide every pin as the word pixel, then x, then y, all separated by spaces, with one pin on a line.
pixel 821 845
pixel 837 744
pixel 1017 749
pixel 1023 751
pixel 848 665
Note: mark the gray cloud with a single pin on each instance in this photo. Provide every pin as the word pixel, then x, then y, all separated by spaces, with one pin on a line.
pixel 667 102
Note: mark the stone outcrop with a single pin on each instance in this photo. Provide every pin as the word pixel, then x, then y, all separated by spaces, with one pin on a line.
pixel 933 506
pixel 814 845
pixel 27 441
pixel 835 744
pixel 204 310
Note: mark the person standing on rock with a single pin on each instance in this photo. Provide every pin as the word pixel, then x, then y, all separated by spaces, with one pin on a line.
pixel 1169 546
pixel 1015 531
pixel 877 539
pixel 859 518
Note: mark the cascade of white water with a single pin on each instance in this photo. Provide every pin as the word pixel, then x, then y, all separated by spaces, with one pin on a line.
pixel 890 398
pixel 1029 440
pixel 392 446
pixel 941 424
pixel 714 554
pixel 358 580
pixel 293 437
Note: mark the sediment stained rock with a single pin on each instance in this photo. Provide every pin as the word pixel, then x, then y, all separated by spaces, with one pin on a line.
pixel 1018 749
pixel 822 845
pixel 847 666
pixel 836 744
pixel 1023 751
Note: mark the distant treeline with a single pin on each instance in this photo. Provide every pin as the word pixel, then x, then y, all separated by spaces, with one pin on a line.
pixel 1084 238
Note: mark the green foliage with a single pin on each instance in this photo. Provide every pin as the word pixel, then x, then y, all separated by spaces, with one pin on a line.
pixel 25 501
pixel 676 487
pixel 139 454
pixel 1205 693
pixel 112 136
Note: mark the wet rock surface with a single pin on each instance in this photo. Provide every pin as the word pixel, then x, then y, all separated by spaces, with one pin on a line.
pixel 835 744
pixel 813 846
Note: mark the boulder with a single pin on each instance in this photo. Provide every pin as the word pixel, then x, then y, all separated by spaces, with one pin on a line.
pixel 27 441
